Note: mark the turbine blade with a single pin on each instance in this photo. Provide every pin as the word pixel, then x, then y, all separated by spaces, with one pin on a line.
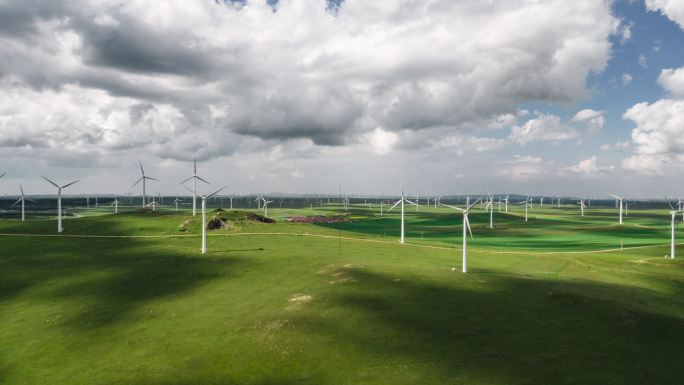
pixel 453 207
pixel 185 180
pixel 472 204
pixel 22 190
pixel 615 196
pixel 3 174
pixel 202 179
pixel 69 184
pixel 395 205
pixel 141 168
pixel 413 203
pixel 137 181
pixel 215 192
pixel 18 200
pixel 467 224
pixel 149 177
pixel 51 182
pixel 185 187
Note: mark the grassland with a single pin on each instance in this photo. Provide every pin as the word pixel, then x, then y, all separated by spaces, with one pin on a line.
pixel 128 299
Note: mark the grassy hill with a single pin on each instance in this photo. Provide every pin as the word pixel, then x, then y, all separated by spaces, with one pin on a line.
pixel 545 302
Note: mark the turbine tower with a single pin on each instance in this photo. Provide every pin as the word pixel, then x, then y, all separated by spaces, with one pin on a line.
pixel 204 218
pixel 59 202
pixel 619 199
pixel 23 200
pixel 402 200
pixel 194 179
pixel 265 206
pixel 115 203
pixel 527 202
pixel 143 178
pixel 582 206
pixel 466 226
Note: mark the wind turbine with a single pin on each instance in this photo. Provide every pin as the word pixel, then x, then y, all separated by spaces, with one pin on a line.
pixel 582 206
pixel 115 203
pixel 175 202
pixel 194 179
pixel 673 213
pixel 266 202
pixel 204 218
pixel 526 202
pixel 466 227
pixel 143 178
pixel 153 204
pixel 619 199
pixel 59 202
pixel 402 200
pixel 23 200
pixel 490 205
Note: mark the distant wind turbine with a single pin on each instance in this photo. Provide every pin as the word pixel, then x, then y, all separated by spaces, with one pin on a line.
pixel 582 205
pixel 526 202
pixel 466 227
pixel 265 207
pixel 620 200
pixel 401 201
pixel 175 202
pixel 143 178
pixel 115 203
pixel 23 200
pixel 673 213
pixel 194 179
pixel 59 202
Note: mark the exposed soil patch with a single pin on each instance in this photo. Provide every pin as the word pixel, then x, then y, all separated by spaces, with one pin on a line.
pixel 318 219
pixel 339 274
pixel 297 301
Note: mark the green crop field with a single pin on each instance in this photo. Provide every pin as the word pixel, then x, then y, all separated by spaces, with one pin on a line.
pixel 129 299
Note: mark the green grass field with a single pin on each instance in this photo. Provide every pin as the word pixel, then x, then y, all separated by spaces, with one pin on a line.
pixel 128 299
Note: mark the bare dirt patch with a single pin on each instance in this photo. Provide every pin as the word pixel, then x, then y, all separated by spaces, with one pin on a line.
pixel 297 301
pixel 339 274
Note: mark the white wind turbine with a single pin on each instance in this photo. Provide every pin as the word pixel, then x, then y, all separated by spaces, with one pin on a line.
pixel 175 202
pixel 619 199
pixel 23 200
pixel 490 206
pixel 582 206
pixel 143 178
pixel 115 203
pixel 402 200
pixel 194 179
pixel 526 202
pixel 673 213
pixel 59 202
pixel 266 202
pixel 153 204
pixel 466 227
pixel 204 218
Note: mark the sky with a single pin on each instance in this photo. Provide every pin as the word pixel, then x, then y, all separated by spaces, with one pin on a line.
pixel 554 97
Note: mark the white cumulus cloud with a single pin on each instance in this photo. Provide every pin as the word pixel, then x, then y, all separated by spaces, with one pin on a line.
pixel 673 9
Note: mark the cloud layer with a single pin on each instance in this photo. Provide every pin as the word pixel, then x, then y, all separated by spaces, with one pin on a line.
pixel 204 79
